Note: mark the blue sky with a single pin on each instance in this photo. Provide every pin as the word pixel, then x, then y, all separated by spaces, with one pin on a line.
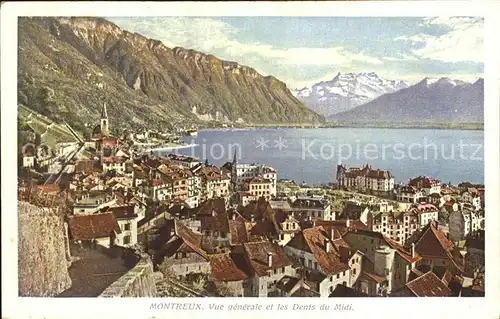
pixel 304 50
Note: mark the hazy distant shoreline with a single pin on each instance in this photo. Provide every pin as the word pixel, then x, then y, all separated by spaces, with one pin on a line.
pixel 385 125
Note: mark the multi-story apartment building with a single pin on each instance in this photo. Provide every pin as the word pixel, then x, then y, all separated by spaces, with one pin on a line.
pixel 260 187
pixel 426 213
pixel 426 184
pixel 312 207
pixel 365 179
pixel 409 194
pixel 398 226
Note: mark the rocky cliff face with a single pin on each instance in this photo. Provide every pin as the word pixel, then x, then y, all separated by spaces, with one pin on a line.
pixel 85 62
pixel 42 259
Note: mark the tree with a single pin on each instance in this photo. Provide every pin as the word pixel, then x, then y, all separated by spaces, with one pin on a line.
pixel 166 269
pixel 444 216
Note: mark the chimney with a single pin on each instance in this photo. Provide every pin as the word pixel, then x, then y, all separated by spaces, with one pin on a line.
pixel 213 212
pixel 347 223
pixel 332 233
pixel 252 219
pixel 269 259
pixel 412 250
pixel 327 245
pixel 234 216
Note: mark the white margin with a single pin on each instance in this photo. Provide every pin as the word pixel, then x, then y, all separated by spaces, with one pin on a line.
pixel 14 307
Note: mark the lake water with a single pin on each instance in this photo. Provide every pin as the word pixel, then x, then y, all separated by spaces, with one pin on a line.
pixel 311 155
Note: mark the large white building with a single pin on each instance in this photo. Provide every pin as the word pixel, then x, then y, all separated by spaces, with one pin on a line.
pixel 426 213
pixel 240 173
pixel 409 194
pixel 365 179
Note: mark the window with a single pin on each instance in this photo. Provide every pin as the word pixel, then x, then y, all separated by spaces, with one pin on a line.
pixel 126 226
pixel 126 240
pixel 331 289
pixel 343 274
pixel 222 234
pixel 354 271
pixel 338 276
pixel 344 283
pixel 283 270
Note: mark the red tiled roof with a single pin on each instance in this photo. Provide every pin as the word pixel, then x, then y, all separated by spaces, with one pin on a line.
pixel 402 252
pixel 425 208
pixel 158 182
pixel 114 160
pixel 434 243
pixel 214 204
pixel 123 212
pixel 224 268
pixel 218 222
pixel 91 226
pixel 423 182
pixel 189 238
pixel 258 180
pixel 428 285
pixel 257 254
pixel 238 231
pixel 88 166
pixel 315 239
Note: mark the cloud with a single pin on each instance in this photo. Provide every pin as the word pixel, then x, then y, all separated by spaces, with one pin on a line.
pixel 462 41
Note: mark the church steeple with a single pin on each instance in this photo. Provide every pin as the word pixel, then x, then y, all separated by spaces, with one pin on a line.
pixel 104 121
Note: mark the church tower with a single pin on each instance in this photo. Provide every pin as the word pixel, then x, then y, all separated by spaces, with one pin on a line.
pixel 104 121
pixel 234 172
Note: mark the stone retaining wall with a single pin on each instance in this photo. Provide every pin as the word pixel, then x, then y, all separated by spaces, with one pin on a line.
pixel 139 281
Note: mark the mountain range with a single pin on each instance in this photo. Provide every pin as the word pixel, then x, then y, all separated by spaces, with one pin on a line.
pixel 346 91
pixel 69 67
pixel 430 100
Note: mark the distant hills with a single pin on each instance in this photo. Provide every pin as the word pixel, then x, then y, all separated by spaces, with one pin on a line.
pixel 68 67
pixel 431 100
pixel 346 91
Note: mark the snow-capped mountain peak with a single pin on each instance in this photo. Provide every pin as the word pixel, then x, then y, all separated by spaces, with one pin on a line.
pixel 444 81
pixel 346 91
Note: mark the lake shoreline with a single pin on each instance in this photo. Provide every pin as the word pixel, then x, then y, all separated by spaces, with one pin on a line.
pixel 472 126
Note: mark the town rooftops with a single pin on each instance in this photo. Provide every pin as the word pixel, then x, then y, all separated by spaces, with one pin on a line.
pixel 423 182
pixel 434 243
pixel 189 240
pixel 425 208
pixel 428 285
pixel 258 180
pixel 228 267
pixel 88 166
pixel 316 241
pixel 408 190
pixel 123 212
pixel 280 205
pixel 310 202
pixel 344 291
pixel 367 171
pixel 238 231
pixel 264 256
pixel 353 211
pixel 114 160
pixel 93 226
pixel 181 158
